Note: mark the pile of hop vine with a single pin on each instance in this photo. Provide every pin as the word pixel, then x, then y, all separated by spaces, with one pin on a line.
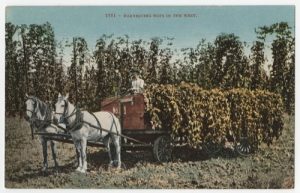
pixel 196 116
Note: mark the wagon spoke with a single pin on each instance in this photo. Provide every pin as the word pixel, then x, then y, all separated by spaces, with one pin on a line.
pixel 243 147
pixel 162 149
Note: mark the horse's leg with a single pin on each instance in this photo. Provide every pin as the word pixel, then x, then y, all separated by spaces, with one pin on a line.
pixel 45 155
pixel 116 140
pixel 107 145
pixel 77 156
pixel 78 152
pixel 54 151
pixel 83 154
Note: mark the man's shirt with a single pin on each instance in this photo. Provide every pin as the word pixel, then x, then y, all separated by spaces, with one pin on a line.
pixel 138 85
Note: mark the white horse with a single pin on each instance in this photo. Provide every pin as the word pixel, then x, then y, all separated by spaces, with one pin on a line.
pixel 39 115
pixel 84 126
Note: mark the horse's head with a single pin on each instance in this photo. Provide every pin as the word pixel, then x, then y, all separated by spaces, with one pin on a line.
pixel 61 108
pixel 31 104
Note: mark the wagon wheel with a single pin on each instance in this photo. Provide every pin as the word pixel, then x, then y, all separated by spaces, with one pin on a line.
pixel 244 147
pixel 211 147
pixel 162 149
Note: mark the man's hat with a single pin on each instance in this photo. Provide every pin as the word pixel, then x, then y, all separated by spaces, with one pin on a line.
pixel 135 72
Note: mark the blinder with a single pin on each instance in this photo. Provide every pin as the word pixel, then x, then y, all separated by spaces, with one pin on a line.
pixel 63 118
pixel 33 113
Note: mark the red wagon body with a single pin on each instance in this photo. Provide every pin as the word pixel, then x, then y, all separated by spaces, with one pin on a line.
pixel 129 109
pixel 131 112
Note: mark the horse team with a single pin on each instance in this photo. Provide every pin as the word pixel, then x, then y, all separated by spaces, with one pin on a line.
pixel 83 126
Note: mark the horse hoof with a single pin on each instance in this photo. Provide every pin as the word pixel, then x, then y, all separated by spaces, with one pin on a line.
pixel 78 169
pixel 81 170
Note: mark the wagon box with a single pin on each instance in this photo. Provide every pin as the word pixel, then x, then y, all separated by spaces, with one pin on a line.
pixel 129 109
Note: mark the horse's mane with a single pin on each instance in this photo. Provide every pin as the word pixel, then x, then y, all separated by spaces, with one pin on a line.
pixel 42 106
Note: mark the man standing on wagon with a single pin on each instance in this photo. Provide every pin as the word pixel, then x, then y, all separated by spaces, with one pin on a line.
pixel 137 84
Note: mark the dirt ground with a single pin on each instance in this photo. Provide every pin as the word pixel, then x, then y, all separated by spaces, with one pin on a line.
pixel 270 167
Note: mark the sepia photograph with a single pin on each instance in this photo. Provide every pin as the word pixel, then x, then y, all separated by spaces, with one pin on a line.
pixel 150 97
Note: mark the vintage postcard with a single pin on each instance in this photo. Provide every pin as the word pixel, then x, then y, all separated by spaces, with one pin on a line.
pixel 150 97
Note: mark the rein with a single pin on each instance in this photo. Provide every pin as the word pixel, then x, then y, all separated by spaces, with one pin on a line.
pixel 77 124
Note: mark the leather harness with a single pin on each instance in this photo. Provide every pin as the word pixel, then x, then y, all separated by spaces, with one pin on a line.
pixel 78 122
pixel 34 121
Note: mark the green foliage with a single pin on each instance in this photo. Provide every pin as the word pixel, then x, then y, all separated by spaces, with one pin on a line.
pixel 231 67
pixel 12 83
pixel 282 79
pixel 258 75
pixel 31 64
pixel 35 64
pixel 204 67
pixel 75 72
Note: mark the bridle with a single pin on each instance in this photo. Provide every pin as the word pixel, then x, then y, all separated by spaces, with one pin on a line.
pixel 64 117
pixel 33 112
pixel 34 121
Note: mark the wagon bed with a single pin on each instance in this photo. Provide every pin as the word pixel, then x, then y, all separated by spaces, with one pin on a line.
pixel 130 110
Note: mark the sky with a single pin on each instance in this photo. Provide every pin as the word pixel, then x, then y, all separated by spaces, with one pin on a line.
pixel 207 21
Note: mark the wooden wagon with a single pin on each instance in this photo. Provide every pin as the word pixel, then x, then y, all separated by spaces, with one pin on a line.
pixel 138 133
pixel 135 124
